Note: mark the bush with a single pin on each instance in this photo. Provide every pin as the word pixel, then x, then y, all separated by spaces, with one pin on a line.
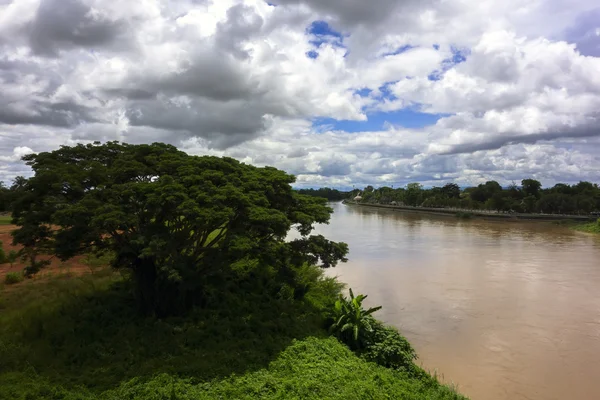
pixel 388 348
pixel 13 277
pixel 351 323
pixel 375 342
pixel 464 215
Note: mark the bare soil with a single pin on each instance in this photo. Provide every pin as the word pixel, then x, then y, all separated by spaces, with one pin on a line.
pixel 73 266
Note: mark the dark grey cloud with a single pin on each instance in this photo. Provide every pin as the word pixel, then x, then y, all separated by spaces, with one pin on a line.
pixel 223 124
pixel 62 114
pixel 28 96
pixel 355 12
pixel 242 24
pixel 66 24
pixel 592 129
pixel 209 73
pixel 297 153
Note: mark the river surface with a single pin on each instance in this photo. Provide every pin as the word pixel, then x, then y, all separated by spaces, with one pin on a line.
pixel 504 310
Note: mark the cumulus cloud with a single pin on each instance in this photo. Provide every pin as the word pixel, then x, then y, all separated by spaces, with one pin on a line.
pixel 513 87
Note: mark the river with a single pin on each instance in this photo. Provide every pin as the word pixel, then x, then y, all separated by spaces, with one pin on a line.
pixel 504 310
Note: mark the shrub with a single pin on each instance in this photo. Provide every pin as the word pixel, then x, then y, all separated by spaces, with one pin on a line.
pixel 375 342
pixel 464 215
pixel 13 277
pixel 351 322
pixel 388 348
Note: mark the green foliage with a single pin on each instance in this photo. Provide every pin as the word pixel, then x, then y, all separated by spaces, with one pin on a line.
pixel 592 227
pixel 388 348
pixel 531 187
pixel 77 339
pixel 351 323
pixel 357 328
pixel 85 331
pixel 311 368
pixel 580 199
pixel 326 193
pixel 12 257
pixel 13 277
pixel 464 215
pixel 156 209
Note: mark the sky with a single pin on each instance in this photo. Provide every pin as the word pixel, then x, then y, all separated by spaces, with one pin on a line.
pixel 340 93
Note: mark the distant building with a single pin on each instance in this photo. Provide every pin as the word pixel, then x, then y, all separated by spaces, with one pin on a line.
pixel 358 198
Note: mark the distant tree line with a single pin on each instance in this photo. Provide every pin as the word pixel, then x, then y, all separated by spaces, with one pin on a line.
pixel 9 193
pixel 528 197
pixel 326 193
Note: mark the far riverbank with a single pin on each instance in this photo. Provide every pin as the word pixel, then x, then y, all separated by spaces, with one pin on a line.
pixel 478 213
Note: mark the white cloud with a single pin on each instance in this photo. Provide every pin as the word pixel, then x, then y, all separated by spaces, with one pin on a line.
pixel 233 78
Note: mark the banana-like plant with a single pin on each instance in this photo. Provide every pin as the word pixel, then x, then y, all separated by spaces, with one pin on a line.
pixel 351 322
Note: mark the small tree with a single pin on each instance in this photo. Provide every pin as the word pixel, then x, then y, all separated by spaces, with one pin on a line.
pixel 12 257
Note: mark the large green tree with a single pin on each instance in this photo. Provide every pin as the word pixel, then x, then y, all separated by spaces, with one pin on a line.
pixel 169 218
pixel 531 187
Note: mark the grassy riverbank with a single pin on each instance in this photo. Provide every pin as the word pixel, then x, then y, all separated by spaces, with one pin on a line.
pixel 591 227
pixel 79 337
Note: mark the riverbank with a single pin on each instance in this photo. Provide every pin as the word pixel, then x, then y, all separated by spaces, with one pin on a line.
pixel 477 213
pixel 590 227
pixel 80 337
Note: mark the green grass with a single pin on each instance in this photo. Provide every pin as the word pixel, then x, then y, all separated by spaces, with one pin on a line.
pixel 591 227
pixel 5 219
pixel 80 338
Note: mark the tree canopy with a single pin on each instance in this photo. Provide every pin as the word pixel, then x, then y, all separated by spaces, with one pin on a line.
pixel 170 219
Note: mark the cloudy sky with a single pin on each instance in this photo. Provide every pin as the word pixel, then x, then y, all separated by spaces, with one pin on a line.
pixel 337 92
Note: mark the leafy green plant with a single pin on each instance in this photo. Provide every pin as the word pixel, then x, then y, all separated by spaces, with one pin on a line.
pixel 388 348
pixel 351 322
pixel 13 277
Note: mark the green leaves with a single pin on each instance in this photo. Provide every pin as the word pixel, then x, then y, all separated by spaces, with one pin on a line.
pixel 352 322
pixel 157 209
pixel 357 328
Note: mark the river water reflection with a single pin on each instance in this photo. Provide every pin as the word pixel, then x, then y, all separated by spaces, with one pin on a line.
pixel 506 310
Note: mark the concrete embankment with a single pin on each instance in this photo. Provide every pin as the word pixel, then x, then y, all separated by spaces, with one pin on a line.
pixel 478 213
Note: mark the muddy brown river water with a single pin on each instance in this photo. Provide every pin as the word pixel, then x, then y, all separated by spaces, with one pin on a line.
pixel 505 310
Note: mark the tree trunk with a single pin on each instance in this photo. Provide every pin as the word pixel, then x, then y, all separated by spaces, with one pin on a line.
pixel 145 276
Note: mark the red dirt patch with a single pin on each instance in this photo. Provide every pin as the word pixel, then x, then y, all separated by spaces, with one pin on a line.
pixel 73 266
